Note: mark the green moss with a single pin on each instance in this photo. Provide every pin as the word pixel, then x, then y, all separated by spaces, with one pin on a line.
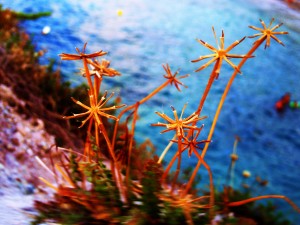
pixel 31 16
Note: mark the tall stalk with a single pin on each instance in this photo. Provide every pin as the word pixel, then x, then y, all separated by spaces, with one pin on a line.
pixel 220 105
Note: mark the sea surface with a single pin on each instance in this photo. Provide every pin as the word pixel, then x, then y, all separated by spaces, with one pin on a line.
pixel 142 35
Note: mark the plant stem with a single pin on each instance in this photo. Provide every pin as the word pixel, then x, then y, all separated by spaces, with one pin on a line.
pixel 154 92
pixel 248 55
pixel 97 84
pixel 166 150
pixel 158 89
pixel 211 185
pixel 131 140
pixel 230 176
pixel 114 163
pixel 87 144
pixel 98 153
pixel 169 166
pixel 88 77
pixel 238 203
pixel 212 77
pixel 178 163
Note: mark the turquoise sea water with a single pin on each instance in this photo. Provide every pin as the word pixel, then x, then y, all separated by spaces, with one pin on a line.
pixel 149 34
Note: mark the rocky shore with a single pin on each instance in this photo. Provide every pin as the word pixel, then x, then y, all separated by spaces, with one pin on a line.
pixel 21 139
pixel 32 100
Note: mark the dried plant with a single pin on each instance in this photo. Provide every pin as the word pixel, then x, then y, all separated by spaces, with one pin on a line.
pixel 267 33
pixel 101 181
pixel 219 54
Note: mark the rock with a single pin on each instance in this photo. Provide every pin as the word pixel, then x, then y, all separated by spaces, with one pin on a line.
pixel 10 147
pixel 21 138
pixel 15 141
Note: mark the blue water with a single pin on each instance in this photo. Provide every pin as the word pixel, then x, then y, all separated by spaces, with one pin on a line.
pixel 148 35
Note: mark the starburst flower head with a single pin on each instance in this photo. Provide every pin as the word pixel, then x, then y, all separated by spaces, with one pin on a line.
pixel 267 33
pixel 192 145
pixel 81 54
pixel 102 68
pixel 187 203
pixel 219 54
pixel 172 77
pixel 178 124
pixel 95 110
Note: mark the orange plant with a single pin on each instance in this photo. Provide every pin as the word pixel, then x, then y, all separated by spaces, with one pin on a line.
pixel 186 130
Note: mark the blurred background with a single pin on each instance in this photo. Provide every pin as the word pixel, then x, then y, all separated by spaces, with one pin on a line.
pixel 142 35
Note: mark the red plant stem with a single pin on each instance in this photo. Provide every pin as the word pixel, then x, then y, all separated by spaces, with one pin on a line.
pixel 188 216
pixel 178 163
pixel 108 142
pixel 158 89
pixel 211 185
pixel 212 77
pixel 154 92
pixel 249 54
pixel 238 203
pixel 211 188
pixel 97 85
pixel 114 163
pixel 92 102
pixel 88 77
pixel 98 153
pixel 87 145
pixel 169 166
pixel 131 140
